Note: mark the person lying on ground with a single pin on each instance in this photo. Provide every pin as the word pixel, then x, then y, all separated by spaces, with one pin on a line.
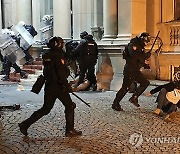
pixel 168 98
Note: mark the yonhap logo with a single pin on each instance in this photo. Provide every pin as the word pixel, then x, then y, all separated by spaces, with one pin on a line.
pixel 136 139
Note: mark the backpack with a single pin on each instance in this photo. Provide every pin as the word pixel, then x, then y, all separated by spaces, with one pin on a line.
pixel 125 53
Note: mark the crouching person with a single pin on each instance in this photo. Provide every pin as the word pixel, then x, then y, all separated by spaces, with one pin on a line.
pixel 81 87
pixel 168 98
pixel 56 86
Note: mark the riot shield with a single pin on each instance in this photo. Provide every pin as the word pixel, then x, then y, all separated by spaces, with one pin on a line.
pixel 26 38
pixel 46 33
pixel 10 48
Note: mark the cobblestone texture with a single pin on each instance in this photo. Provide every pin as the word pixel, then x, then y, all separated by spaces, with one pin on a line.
pixel 105 131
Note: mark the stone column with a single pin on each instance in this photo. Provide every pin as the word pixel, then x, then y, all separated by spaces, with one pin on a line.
pixel 8 9
pixel 97 28
pixel 124 19
pixel 98 13
pixel 0 16
pixel 110 18
pixel 36 17
pixel 131 18
pixel 83 16
pixel 62 18
pixel 24 11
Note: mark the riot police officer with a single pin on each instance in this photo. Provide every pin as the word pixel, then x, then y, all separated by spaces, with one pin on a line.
pixel 33 32
pixel 28 57
pixel 7 64
pixel 87 53
pixel 56 86
pixel 135 57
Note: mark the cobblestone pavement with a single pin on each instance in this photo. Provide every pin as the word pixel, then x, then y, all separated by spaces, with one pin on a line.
pixel 105 131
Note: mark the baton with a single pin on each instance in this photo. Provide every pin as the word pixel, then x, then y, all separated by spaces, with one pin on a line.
pixel 154 41
pixel 81 99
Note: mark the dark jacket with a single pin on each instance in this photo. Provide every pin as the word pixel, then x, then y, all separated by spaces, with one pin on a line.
pixel 86 45
pixel 55 69
pixel 136 55
pixel 169 87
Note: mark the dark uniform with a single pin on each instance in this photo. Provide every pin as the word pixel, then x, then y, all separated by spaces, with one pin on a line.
pixel 29 59
pixel 71 61
pixel 135 57
pixel 87 53
pixel 56 86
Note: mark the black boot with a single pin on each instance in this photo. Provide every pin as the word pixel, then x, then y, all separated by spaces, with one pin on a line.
pixel 73 133
pixel 134 100
pixel 116 106
pixel 23 74
pixel 23 128
pixel 70 131
pixel 28 122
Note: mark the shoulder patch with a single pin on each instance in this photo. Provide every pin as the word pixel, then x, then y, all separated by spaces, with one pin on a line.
pixel 134 47
pixel 91 44
pixel 62 61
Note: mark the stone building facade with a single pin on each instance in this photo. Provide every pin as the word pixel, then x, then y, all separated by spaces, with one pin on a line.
pixel 113 23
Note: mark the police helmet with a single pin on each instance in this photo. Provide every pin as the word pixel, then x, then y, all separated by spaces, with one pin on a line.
pixel 54 42
pixel 89 37
pixel 145 37
pixel 51 43
pixel 83 34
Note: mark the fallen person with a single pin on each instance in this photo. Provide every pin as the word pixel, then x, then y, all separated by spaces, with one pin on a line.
pixel 82 87
pixel 168 99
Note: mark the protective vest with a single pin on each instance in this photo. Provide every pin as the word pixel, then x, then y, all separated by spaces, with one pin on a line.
pixel 91 49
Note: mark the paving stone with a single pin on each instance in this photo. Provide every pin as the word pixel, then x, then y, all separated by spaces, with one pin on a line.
pixel 105 131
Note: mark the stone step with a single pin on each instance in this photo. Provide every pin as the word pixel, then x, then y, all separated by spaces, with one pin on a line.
pixel 37 63
pixel 38 67
pixel 33 76
pixel 31 79
pixel 29 71
pixel 38 59
pixel 38 72
pixel 14 77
